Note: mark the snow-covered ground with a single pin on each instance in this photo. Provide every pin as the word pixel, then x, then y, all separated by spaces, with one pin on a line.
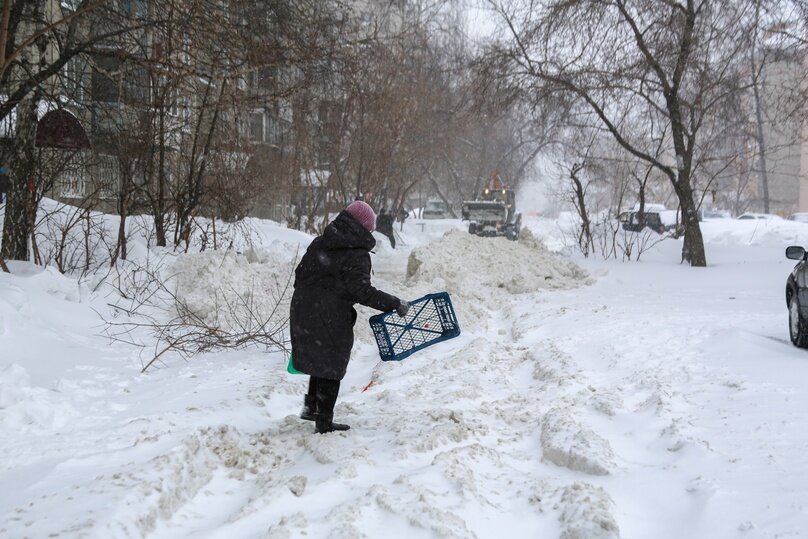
pixel 584 399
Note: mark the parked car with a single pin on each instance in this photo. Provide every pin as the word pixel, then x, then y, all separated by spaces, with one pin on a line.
pixel 435 209
pixel 797 297
pixel 659 221
pixel 752 215
pixel 799 217
pixel 715 214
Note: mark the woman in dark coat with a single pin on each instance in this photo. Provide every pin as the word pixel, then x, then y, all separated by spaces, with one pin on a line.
pixel 332 276
pixel 384 224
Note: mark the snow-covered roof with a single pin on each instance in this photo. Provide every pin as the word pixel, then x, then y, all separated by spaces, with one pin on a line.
pixel 669 217
pixel 754 215
pixel 649 207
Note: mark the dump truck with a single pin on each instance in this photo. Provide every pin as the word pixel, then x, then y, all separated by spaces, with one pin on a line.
pixel 493 213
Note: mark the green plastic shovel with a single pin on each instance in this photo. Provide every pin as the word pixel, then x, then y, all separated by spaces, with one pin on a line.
pixel 290 368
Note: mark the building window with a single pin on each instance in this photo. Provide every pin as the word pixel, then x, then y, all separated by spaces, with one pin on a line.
pixel 106 179
pixel 186 108
pixel 257 126
pixel 136 84
pixel 72 177
pixel 74 78
pixel 104 85
pixel 173 101
pixel 169 96
pixel 273 130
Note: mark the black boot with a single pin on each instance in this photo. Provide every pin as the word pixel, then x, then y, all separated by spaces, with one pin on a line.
pixel 309 408
pixel 326 393
pixel 324 423
pixel 310 400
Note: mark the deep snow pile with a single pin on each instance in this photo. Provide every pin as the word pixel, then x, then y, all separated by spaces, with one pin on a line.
pixel 25 407
pixel 478 272
pixel 465 262
pixel 227 290
pixel 757 232
pixel 26 301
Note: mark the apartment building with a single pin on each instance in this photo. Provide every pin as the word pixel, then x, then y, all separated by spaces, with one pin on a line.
pixel 779 89
pixel 142 106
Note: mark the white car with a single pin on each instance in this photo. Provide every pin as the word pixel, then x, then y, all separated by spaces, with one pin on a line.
pixel 751 215
pixel 715 214
pixel 799 217
pixel 435 209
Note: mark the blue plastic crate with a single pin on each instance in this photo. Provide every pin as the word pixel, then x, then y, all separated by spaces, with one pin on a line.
pixel 431 320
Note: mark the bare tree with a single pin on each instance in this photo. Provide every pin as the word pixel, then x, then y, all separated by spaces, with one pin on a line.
pixel 670 61
pixel 37 39
pixel 585 241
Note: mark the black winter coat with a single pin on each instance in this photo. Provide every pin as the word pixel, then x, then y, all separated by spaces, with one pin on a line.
pixel 332 276
pixel 384 224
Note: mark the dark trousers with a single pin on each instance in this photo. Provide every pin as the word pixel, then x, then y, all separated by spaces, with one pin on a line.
pixel 392 237
pixel 324 393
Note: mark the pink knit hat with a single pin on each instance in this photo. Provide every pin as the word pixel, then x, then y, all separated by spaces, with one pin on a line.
pixel 363 213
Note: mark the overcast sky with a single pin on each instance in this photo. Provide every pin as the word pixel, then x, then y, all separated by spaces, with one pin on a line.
pixel 480 21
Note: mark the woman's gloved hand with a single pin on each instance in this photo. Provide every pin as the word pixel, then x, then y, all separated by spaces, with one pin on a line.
pixel 403 308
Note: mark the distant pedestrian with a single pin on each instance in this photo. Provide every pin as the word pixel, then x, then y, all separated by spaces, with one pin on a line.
pixel 331 278
pixel 384 224
pixel 402 216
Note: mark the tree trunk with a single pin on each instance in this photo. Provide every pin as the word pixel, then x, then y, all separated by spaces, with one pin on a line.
pixel 88 255
pixel 690 219
pixel 159 208
pixel 757 89
pixel 213 224
pixel 33 204
pixel 585 237
pixel 21 203
pixel 641 213
pixel 16 227
pixel 120 248
pixel 761 144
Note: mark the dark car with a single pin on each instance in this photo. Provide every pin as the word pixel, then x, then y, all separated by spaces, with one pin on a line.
pixel 797 297
pixel 630 221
